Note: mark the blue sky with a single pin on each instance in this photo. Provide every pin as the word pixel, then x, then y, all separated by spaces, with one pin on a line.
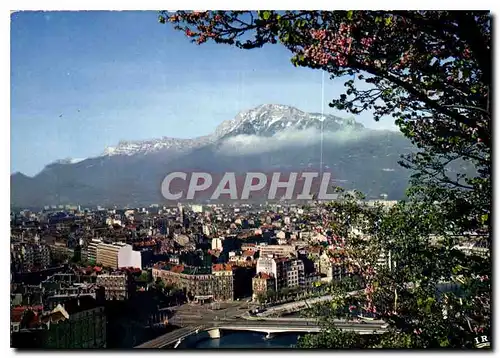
pixel 81 81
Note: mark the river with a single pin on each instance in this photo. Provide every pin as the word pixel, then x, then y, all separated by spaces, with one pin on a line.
pixel 240 340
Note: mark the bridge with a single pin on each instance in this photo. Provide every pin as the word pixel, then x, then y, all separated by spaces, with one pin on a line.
pixel 172 337
pixel 267 326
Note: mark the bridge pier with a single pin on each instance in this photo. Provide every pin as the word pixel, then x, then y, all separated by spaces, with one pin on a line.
pixel 214 333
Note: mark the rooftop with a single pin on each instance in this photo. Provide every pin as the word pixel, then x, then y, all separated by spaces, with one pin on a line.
pixel 186 270
pixel 222 267
pixel 263 275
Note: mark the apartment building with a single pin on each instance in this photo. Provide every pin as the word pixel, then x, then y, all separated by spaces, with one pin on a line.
pixel 217 243
pixel 117 255
pixel 262 283
pixel 214 283
pixel 277 250
pixel 77 323
pixel 385 259
pixel 196 282
pixel 117 286
pixel 28 256
pixel 223 287
pixel 275 267
pixel 295 273
pixel 92 250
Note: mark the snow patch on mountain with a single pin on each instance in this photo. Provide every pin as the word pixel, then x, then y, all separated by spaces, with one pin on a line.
pixel 155 145
pixel 69 161
pixel 267 120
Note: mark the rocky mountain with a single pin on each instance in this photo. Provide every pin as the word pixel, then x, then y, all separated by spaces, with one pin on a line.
pixel 266 138
pixel 270 119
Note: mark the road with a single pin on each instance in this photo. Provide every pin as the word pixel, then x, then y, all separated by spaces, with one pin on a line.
pixel 229 310
pixel 194 312
pixel 300 304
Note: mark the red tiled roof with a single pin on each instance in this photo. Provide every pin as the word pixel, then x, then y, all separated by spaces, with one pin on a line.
pixel 16 316
pixel 263 275
pixel 177 268
pixel 222 267
pixel 24 308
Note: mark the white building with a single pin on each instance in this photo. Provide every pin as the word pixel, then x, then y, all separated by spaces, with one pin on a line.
pixel 127 257
pixel 217 243
pixel 295 273
pixel 281 234
pixel 267 265
pixel 92 250
pixel 277 250
pixel 112 221
pixel 197 208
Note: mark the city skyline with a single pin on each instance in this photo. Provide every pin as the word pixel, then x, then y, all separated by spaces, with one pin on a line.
pixel 82 81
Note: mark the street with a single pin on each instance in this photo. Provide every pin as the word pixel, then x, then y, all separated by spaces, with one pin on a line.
pixel 224 310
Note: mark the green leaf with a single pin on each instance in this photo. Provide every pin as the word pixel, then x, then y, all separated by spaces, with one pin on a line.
pixel 444 343
pixel 388 21
pixel 266 15
pixel 349 15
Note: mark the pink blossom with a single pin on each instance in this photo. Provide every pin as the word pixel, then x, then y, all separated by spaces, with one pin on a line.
pixel 366 41
pixel 174 18
pixel 201 39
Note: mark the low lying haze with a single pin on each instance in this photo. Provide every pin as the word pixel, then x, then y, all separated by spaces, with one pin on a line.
pixel 252 144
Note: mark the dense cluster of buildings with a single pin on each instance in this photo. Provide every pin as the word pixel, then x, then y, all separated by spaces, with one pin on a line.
pixel 208 253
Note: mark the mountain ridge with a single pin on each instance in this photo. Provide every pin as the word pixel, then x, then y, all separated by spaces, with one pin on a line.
pixel 268 137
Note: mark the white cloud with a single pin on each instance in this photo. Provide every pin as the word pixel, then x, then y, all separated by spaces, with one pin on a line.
pixel 253 144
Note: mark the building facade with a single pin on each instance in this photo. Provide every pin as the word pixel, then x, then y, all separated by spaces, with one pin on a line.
pixel 194 281
pixel 275 267
pixel 92 250
pixel 214 283
pixel 277 250
pixel 78 323
pixel 117 286
pixel 107 254
pixel 295 273
pixel 262 283
pixel 30 256
pixel 118 255
pixel 223 286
